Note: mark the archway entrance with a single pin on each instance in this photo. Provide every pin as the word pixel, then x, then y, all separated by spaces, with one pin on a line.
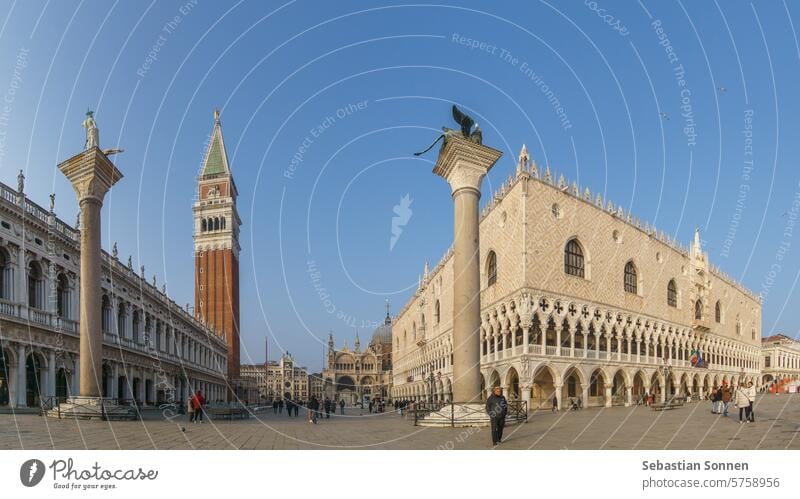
pixel 597 388
pixel 512 380
pixel 33 368
pixel 619 390
pixel 61 385
pixel 543 389
pixel 4 380
pixel 638 388
pixel 655 387
pixel 572 389
pixel 346 390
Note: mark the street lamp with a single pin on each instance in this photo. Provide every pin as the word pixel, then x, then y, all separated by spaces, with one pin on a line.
pixel 431 381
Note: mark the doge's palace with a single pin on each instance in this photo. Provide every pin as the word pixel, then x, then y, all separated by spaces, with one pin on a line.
pixel 583 303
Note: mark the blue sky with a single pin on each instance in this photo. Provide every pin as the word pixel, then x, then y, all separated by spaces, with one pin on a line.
pixel 654 99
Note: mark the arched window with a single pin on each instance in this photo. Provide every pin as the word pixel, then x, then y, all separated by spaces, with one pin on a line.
pixel 573 259
pixel 216 223
pixel 631 280
pixel 491 268
pixel 753 333
pixel 672 293
pixel 738 327
pixel 203 225
pixel 436 315
pixel 35 286
pixel 135 323
pixel 62 296
pixel 698 310
pixel 121 326
pixel 105 318
pixel 718 312
pixel 210 224
pixel 222 223
pixel 6 276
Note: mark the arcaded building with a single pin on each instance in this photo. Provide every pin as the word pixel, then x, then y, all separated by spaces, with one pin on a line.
pixel 780 360
pixel 154 350
pixel 580 300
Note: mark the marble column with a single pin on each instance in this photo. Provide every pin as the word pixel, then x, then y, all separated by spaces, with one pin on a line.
pixel 91 174
pixel 609 395
pixel 463 164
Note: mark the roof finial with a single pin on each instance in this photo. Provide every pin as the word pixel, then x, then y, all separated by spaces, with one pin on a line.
pixel 388 319
pixel 216 116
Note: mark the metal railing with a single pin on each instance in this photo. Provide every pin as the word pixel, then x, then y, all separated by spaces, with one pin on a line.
pixel 517 412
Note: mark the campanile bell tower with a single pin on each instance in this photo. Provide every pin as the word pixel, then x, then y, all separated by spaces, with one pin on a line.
pixel 216 247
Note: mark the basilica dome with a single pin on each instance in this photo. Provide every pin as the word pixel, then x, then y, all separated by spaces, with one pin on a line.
pixel 383 334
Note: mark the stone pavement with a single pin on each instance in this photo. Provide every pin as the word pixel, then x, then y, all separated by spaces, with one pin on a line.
pixel 690 427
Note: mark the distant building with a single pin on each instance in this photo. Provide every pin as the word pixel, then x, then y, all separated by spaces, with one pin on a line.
pixel 316 385
pixel 356 375
pixel 780 361
pixel 278 379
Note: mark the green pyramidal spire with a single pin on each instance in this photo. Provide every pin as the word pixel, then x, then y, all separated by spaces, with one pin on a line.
pixel 216 159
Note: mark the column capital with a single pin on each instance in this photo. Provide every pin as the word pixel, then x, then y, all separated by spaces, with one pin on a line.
pixel 464 163
pixel 91 174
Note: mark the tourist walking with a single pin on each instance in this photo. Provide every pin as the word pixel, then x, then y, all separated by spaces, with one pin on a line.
pixel 313 405
pixel 727 395
pixel 197 405
pixel 327 406
pixel 275 406
pixel 341 406
pixel 751 395
pixel 714 401
pixel 280 406
pixel 190 408
pixel 289 407
pixel 296 408
pixel 497 408
pixel 742 401
pixel 555 403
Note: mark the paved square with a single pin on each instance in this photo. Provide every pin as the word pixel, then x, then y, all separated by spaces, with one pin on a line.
pixel 689 427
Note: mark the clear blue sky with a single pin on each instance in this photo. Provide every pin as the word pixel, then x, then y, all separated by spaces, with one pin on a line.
pixel 277 71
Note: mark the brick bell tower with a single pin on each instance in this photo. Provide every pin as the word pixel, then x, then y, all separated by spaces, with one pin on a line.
pixel 216 247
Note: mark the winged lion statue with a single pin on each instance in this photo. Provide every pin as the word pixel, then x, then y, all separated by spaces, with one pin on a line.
pixel 469 130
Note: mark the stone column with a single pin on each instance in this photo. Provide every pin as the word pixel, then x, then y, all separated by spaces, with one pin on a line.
pixel 558 389
pixel 21 384
pixel 609 395
pixel 91 174
pixel 628 396
pixel 464 164
pixel 51 374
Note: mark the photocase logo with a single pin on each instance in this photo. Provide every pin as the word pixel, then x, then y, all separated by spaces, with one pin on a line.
pixel 403 212
pixel 31 472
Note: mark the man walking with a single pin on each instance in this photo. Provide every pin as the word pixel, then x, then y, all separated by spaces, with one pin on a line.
pixel 726 398
pixel 327 408
pixel 341 406
pixel 496 408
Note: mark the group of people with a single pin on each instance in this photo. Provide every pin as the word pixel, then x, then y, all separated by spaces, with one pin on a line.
pixel 195 407
pixel 314 408
pixel 743 397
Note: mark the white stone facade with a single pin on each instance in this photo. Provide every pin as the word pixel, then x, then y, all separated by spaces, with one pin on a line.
pixel 579 300
pixel 279 379
pixel 780 359
pixel 153 350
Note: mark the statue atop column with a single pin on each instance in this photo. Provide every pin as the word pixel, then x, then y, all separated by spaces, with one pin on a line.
pixel 468 130
pixel 21 182
pixel 92 132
